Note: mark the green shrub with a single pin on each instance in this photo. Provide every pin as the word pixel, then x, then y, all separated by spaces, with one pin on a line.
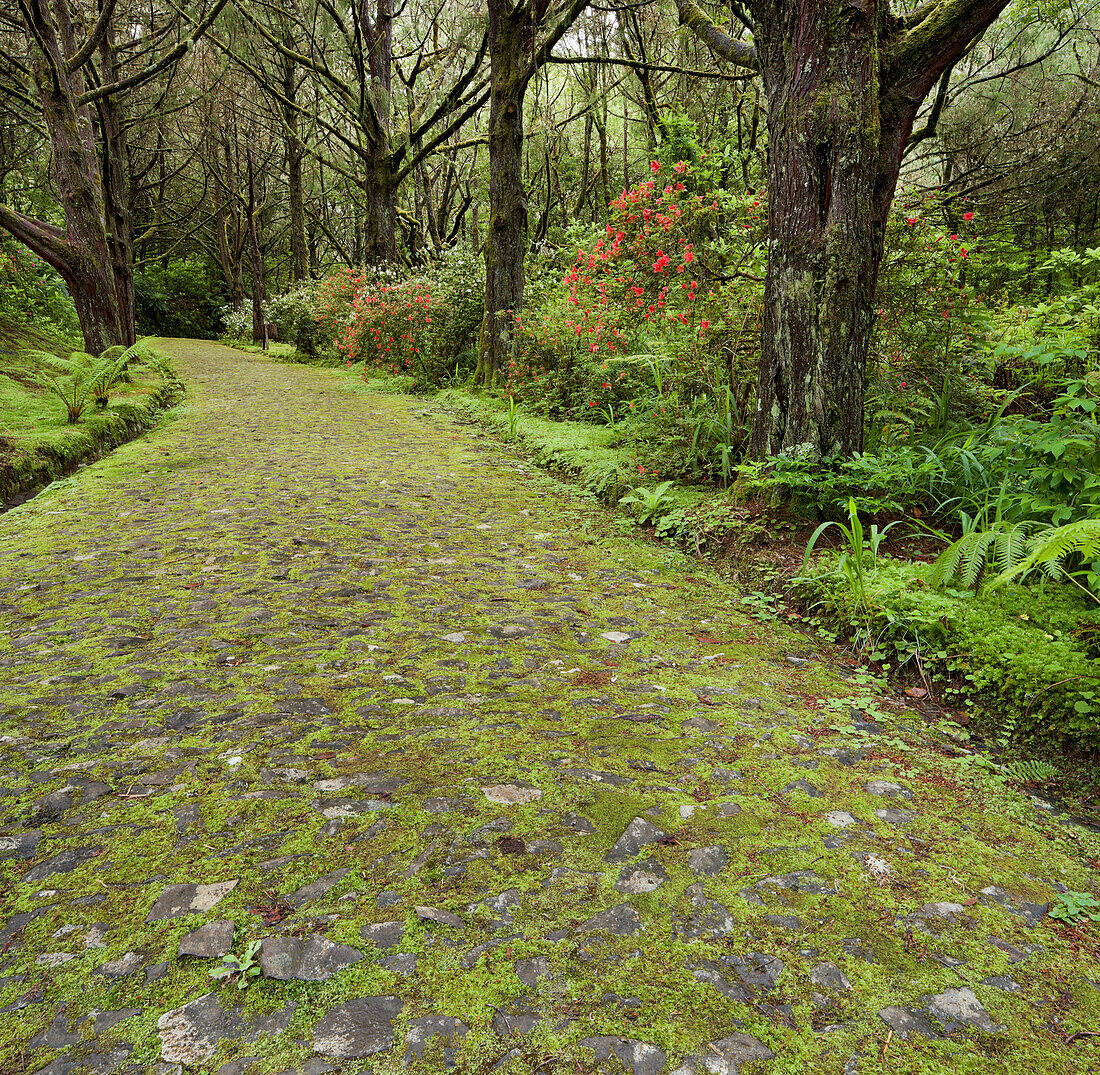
pixel 33 294
pixel 1028 653
pixel 180 299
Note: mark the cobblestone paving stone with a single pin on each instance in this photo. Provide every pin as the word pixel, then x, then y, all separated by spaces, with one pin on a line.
pixel 496 790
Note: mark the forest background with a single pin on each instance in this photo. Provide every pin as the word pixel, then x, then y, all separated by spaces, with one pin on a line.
pixel 630 236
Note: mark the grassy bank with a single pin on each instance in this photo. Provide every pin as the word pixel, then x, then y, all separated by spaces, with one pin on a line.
pixel 37 442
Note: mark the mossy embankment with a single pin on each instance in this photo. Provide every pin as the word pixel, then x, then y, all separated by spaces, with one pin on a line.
pixel 37 444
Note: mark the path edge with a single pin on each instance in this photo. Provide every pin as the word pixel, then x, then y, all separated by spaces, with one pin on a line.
pixel 29 473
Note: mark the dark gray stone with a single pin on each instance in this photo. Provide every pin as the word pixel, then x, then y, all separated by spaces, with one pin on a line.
pixel 906 1021
pixel 432 1029
pixel 383 934
pixel 121 967
pixel 725 1057
pixel 708 919
pixel 622 920
pixel 579 824
pixel 707 861
pixel 638 834
pixel 308 959
pixel 439 916
pixel 58 1034
pixel 21 845
pixel 894 815
pixel 956 1008
pixel 358 1028
pixel 830 978
pixel 403 963
pixel 500 908
pixel 715 974
pixel 317 888
pixel 177 900
pixel 337 809
pixel 644 876
pixel 529 971
pixel 804 786
pixel 88 1059
pixel 638 1057
pixel 190 1034
pixel 888 789
pixel 213 939
pixel 64 862
pixel 1003 982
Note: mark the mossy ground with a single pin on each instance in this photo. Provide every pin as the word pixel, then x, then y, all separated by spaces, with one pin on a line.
pixel 300 590
pixel 37 443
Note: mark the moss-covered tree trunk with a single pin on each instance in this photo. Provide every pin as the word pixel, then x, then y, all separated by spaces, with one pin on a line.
pixel 510 38
pixel 829 189
pixel 380 225
pixel 843 81
pixel 84 251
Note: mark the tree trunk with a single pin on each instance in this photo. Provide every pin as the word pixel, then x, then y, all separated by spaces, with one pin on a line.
pixel 833 165
pixel 298 245
pixel 510 37
pixel 256 256
pixel 118 207
pixel 380 226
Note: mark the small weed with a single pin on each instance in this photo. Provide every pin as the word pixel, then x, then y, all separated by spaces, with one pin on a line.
pixel 1075 907
pixel 649 501
pixel 244 969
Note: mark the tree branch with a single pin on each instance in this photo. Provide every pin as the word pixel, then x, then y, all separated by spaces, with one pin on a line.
pixel 95 36
pixel 45 240
pixel 718 41
pixel 934 43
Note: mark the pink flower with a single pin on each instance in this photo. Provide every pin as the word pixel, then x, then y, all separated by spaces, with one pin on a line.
pixel 704 326
pixel 654 166
pixel 968 216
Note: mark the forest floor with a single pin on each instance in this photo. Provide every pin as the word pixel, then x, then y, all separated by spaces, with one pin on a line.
pixel 463 776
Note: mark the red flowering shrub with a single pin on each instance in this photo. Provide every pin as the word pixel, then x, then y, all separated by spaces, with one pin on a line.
pixel 424 325
pixel 931 323
pixel 674 273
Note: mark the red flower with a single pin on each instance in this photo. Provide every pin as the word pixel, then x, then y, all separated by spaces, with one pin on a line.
pixel 968 216
pixel 654 166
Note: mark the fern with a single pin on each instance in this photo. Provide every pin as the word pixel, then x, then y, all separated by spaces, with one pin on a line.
pixel 966 558
pixel 1031 772
pixel 1050 548
pixel 81 377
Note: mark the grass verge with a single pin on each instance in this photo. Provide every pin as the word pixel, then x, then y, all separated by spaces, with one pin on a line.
pixel 37 444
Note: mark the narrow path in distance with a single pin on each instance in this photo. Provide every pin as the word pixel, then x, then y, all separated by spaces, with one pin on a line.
pixel 497 789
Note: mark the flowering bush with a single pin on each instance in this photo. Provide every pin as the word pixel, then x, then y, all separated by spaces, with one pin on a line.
pixel 931 329
pixel 673 277
pixel 426 325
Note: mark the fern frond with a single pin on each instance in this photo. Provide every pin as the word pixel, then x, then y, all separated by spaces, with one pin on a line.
pixel 1050 547
pixel 55 363
pixel 1011 544
pixel 964 558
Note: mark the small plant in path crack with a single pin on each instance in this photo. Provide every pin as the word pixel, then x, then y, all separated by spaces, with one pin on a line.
pixel 244 969
pixel 1075 907
pixel 513 418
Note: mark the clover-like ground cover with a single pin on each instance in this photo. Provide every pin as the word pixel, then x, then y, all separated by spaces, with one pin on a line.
pixel 497 788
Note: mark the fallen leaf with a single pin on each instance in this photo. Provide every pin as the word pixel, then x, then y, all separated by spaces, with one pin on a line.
pixel 916 692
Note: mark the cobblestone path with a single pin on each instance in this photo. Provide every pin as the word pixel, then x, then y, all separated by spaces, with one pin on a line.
pixel 321 679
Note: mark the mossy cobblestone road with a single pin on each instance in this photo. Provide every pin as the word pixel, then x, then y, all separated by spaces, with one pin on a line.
pixel 496 787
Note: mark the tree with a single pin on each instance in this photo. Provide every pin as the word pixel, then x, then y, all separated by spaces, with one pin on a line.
pixel 74 78
pixel 362 135
pixel 521 37
pixel 843 81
